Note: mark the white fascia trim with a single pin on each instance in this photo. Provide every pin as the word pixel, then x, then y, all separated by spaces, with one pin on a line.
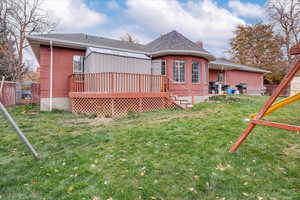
pixel 229 67
pixel 184 52
pixel 117 53
pixel 77 44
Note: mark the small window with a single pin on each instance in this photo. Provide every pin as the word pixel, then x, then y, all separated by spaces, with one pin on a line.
pixel 179 71
pixel 163 67
pixel 78 62
pixel 195 72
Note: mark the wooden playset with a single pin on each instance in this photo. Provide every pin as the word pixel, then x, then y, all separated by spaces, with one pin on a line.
pixel 270 105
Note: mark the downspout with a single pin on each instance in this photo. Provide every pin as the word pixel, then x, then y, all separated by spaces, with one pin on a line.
pixel 51 76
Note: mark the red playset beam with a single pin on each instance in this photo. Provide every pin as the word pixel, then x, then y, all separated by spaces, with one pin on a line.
pixel 277 125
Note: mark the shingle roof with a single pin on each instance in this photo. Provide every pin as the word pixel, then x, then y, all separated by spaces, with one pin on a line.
pixel 172 42
pixel 94 40
pixel 225 64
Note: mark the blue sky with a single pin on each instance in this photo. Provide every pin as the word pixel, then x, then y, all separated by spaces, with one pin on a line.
pixel 211 21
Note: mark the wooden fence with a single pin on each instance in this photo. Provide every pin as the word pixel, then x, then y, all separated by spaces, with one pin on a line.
pixel 35 93
pixel 270 88
pixel 115 82
pixel 8 96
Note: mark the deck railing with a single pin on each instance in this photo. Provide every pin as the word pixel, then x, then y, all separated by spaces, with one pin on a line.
pixel 116 82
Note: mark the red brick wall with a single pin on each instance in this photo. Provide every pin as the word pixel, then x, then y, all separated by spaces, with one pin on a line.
pixel 254 80
pixel 213 75
pixel 62 69
pixel 187 88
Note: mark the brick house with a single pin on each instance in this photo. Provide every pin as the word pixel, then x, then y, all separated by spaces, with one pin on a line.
pixel 84 73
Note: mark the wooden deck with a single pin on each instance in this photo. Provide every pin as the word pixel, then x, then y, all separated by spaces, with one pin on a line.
pixel 114 82
pixel 117 94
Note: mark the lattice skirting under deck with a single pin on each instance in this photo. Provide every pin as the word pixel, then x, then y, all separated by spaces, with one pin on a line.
pixel 112 107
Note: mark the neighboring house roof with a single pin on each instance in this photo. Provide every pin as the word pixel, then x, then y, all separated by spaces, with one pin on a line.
pixel 224 64
pixel 170 43
pixel 176 43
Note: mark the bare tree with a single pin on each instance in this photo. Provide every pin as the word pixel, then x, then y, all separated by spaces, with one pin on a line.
pixel 129 38
pixel 9 64
pixel 19 18
pixel 286 17
pixel 28 17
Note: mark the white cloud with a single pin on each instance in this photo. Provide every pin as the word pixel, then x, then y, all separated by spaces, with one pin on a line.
pixel 249 10
pixel 202 20
pixel 73 14
pixel 113 5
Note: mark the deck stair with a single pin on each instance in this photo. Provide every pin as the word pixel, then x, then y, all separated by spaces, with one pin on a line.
pixel 181 102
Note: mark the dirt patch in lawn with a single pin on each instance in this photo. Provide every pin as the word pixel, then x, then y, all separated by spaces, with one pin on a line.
pixel 92 121
pixel 99 123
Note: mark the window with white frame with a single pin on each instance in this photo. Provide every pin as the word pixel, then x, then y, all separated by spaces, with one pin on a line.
pixel 78 63
pixel 179 71
pixel 195 72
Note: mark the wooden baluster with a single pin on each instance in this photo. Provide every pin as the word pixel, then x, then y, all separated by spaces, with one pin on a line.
pixel 79 83
pixel 107 83
pixel 140 83
pixel 87 83
pixel 76 82
pixel 104 82
pixel 112 82
pixel 84 84
pixel 71 83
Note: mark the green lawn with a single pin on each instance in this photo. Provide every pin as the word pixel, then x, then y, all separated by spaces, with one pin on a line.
pixel 158 155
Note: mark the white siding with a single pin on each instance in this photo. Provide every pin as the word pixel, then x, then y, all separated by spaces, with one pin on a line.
pixel 97 62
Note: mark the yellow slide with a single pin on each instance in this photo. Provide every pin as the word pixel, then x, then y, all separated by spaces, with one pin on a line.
pixel 280 104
